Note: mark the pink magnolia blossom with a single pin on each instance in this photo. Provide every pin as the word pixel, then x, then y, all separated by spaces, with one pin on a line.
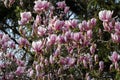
pixel 66 10
pixel 67 25
pixel 37 46
pixel 116 65
pixel 85 63
pixel 96 58
pixel 51 59
pixel 11 2
pixel 115 37
pixel 105 15
pixel 38 20
pixel 89 25
pixel 23 42
pixel 5 38
pixel 12 44
pixel 41 31
pixel 117 27
pixel 114 57
pixel 25 17
pixel 20 70
pixel 68 35
pixel 52 39
pixel 61 39
pixel 41 5
pixel 89 34
pixel 101 66
pixel 77 36
pixel 93 48
pixel 71 61
pixel 84 25
pixel 57 51
pixel 63 61
pixel 30 72
pixel 93 21
pixel 61 4
pixel 73 23
pixel 37 67
pixel 58 24
pixel 81 28
pixel 108 26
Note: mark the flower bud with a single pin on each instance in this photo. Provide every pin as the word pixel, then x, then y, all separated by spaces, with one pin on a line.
pixel 93 48
pixel 101 66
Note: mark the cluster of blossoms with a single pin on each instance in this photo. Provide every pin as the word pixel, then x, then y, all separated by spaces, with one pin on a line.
pixel 110 25
pixel 63 48
pixel 8 59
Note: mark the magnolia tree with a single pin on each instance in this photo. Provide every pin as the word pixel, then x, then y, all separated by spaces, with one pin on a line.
pixel 61 48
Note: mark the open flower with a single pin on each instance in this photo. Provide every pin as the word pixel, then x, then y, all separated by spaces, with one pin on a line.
pixel 41 5
pixel 58 24
pixel 37 46
pixel 41 31
pixel 25 17
pixel 105 15
pixel 114 57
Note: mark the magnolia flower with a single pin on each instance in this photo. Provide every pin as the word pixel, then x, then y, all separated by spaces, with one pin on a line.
pixel 5 38
pixel 84 24
pixel 96 58
pixel 25 17
pixel 37 46
pixel 37 20
pixel 51 59
pixel 93 48
pixel 89 34
pixel 85 63
pixel 63 61
pixel 117 27
pixel 12 44
pixel 81 28
pixel 70 61
pixel 108 26
pixel 37 68
pixel 114 57
pixel 58 24
pixel 23 42
pixel 115 37
pixel 116 65
pixel 68 35
pixel 105 15
pixel 41 5
pixel 11 2
pixel 73 23
pixel 41 31
pixel 77 36
pixel 52 39
pixel 89 25
pixel 61 4
pixel 101 66
pixel 93 21
pixel 61 39
pixel 67 24
pixel 66 9
pixel 20 70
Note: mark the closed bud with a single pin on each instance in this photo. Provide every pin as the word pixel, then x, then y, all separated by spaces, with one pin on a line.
pixel 101 66
pixel 96 58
